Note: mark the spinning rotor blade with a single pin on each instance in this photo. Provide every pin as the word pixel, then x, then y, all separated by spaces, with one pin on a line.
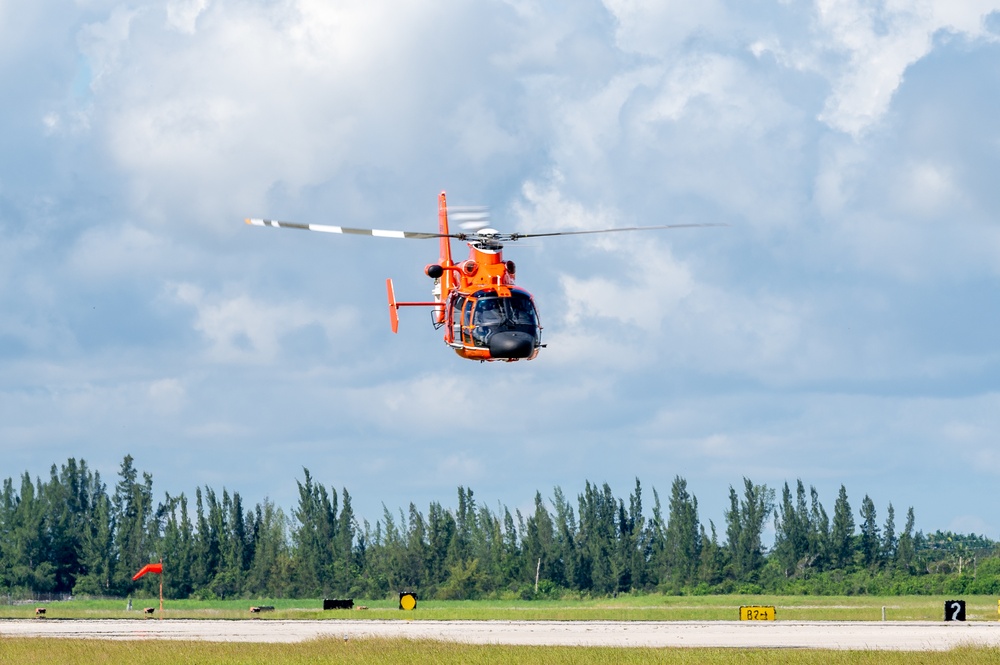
pixel 470 218
pixel 324 228
pixel 517 236
pixel 477 217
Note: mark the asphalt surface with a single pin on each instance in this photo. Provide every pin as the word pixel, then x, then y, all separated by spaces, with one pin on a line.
pixel 853 635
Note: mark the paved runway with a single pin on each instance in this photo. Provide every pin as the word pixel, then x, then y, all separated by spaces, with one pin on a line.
pixel 853 635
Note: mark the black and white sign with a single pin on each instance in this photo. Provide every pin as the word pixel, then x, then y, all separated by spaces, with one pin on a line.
pixel 954 610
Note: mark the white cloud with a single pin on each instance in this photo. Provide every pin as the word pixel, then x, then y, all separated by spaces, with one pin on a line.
pixel 121 251
pixel 926 189
pixel 289 95
pixel 167 395
pixel 649 295
pixel 481 135
pixel 183 14
pixel 661 27
pixel 545 208
pixel 880 41
pixel 462 466
pixel 862 48
pixel 240 329
pixel 102 43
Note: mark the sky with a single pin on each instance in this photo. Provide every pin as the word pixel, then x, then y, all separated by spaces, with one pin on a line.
pixel 840 330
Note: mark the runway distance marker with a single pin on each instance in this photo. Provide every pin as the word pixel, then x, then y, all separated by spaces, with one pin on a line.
pixel 757 613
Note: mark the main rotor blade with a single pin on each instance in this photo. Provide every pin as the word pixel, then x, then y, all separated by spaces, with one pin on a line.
pixel 518 236
pixel 324 228
pixel 472 237
pixel 469 218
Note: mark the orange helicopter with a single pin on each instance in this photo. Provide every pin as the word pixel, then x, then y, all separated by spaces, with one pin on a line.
pixel 484 315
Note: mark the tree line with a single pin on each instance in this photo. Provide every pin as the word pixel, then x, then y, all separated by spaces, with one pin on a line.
pixel 72 534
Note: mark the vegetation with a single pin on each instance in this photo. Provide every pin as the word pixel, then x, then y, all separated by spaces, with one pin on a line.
pixel 71 535
pixel 631 607
pixel 391 652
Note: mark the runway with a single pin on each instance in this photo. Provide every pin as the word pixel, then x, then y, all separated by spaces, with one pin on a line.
pixel 854 635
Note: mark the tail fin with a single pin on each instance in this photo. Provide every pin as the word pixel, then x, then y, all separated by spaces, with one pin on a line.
pixel 446 282
pixel 443 230
pixel 393 307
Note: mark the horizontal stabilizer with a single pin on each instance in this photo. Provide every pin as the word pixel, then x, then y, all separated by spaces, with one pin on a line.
pixel 393 307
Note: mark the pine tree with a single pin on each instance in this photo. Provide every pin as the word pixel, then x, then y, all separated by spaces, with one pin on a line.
pixel 205 546
pixel 791 525
pixel 683 536
pixel 637 546
pixel 414 572
pixel 842 533
pixel 656 538
pixel 870 541
pixel 712 560
pixel 539 543
pixel 570 573
pixel 594 538
pixel 270 570
pixel 511 559
pixel 746 519
pixel 819 532
pixel 29 569
pixel 97 553
pixel 132 506
pixel 905 549
pixel 889 542
pixel 344 566
pixel 441 529
pixel 316 536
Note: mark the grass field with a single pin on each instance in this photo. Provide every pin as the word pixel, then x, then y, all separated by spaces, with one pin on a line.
pixel 623 608
pixel 30 651
pixel 33 651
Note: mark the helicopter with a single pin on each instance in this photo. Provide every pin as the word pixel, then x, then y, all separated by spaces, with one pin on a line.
pixel 484 315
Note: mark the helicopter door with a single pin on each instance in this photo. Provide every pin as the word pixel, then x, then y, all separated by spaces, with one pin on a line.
pixel 455 318
pixel 470 305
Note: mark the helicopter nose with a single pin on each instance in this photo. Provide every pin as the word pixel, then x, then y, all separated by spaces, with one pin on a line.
pixel 511 344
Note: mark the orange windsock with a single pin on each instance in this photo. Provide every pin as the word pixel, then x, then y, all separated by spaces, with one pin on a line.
pixel 149 568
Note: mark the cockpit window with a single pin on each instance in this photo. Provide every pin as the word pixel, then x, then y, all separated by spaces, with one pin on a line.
pixel 489 311
pixel 456 316
pixel 522 310
pixel 492 313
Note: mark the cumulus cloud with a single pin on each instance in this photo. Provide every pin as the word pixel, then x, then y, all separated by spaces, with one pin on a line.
pixel 875 44
pixel 861 48
pixel 121 251
pixel 283 94
pixel 660 283
pixel 183 14
pixel 241 329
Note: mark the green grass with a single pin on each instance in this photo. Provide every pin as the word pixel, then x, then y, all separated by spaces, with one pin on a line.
pixel 623 608
pixel 38 651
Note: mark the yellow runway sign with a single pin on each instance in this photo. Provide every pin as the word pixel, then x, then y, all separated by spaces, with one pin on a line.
pixel 757 613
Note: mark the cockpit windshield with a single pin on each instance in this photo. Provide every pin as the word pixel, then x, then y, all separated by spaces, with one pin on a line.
pixel 492 314
pixel 517 310
pixel 522 310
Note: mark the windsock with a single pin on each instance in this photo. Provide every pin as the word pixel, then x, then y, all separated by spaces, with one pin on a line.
pixel 149 568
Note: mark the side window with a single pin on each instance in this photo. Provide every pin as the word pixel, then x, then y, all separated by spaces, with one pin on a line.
pixel 456 316
pixel 470 304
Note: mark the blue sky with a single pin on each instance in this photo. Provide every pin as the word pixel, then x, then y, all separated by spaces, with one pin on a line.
pixel 841 330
